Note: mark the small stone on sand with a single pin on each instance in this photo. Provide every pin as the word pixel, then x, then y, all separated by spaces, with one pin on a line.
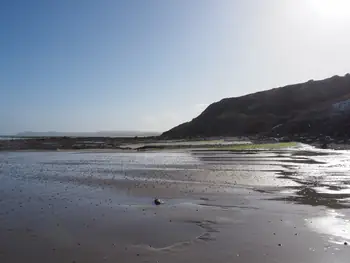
pixel 157 201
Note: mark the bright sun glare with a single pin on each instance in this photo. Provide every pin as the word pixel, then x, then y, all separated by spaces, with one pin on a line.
pixel 332 8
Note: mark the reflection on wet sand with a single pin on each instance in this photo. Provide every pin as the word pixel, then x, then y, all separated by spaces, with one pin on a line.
pixel 309 196
pixel 321 183
pixel 219 206
pixel 333 224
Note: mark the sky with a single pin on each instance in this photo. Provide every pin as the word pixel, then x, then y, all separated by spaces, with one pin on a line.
pixel 149 65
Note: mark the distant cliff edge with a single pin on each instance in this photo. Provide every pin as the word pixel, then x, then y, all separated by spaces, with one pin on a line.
pixel 311 108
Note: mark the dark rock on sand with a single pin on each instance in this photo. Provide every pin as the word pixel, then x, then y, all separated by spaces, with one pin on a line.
pixel 158 201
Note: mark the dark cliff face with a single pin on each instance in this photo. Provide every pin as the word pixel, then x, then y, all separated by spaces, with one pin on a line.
pixel 300 108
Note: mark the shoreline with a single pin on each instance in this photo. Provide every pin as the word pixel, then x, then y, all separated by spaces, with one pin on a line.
pixel 33 145
pixel 157 143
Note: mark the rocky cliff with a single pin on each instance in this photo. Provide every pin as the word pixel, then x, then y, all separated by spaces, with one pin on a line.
pixel 311 108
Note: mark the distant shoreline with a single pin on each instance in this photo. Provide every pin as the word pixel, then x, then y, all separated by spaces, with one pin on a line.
pixel 118 144
pixel 107 143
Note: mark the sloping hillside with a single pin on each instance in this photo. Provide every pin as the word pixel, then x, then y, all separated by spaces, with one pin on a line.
pixel 300 108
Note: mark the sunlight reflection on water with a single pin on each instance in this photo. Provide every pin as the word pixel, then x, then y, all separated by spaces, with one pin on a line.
pixel 334 224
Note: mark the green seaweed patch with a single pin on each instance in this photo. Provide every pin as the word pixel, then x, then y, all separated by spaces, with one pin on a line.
pixel 258 146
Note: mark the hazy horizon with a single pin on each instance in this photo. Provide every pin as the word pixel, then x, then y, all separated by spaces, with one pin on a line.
pixel 84 133
pixel 151 65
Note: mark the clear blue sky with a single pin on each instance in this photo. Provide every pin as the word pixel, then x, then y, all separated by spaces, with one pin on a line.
pixel 92 65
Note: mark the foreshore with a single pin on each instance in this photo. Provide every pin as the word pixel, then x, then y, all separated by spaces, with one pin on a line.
pixel 219 206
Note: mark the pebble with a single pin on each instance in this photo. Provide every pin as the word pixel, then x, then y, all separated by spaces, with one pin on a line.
pixel 157 201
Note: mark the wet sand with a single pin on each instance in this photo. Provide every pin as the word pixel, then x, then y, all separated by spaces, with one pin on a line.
pixel 264 206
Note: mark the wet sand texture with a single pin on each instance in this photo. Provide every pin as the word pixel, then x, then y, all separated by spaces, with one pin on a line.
pixel 263 206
